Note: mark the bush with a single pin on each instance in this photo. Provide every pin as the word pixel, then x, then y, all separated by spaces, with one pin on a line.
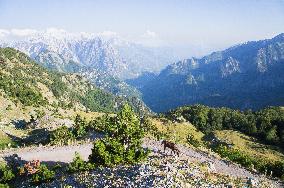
pixel 57 166
pixel 6 174
pixel 42 175
pixel 61 136
pixel 4 185
pixel 192 141
pixel 99 124
pixel 78 164
pixel 79 129
pixel 123 140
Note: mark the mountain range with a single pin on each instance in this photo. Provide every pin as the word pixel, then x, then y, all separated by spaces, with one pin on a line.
pixel 24 84
pixel 106 61
pixel 245 76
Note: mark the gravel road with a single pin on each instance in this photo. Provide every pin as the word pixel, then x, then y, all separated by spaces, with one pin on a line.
pixel 66 153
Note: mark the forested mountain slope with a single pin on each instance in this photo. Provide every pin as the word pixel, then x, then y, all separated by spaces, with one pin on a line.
pixel 246 76
pixel 28 84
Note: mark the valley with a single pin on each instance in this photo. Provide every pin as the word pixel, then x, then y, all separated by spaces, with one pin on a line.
pixel 70 113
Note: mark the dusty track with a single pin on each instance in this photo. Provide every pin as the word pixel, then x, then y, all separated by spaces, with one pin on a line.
pixel 65 154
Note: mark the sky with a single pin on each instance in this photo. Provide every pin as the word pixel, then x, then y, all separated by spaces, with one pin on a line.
pixel 191 27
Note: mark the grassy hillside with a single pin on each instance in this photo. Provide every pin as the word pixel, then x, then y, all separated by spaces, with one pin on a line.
pixel 175 131
pixel 251 146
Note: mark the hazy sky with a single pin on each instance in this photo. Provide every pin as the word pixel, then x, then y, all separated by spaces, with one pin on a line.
pixel 189 26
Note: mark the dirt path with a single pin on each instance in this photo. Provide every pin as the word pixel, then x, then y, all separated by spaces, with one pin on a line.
pixel 63 154
pixel 66 153
pixel 192 155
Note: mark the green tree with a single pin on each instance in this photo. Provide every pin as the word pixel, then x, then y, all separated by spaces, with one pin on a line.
pixel 271 135
pixel 123 140
pixel 79 129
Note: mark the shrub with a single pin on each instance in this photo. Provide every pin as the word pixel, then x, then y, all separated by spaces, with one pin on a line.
pixel 78 164
pixel 123 140
pixel 79 129
pixel 61 136
pixel 6 174
pixel 57 166
pixel 192 141
pixel 42 175
pixel 99 124
pixel 4 185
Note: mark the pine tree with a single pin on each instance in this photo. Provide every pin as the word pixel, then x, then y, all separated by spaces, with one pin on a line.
pixel 123 140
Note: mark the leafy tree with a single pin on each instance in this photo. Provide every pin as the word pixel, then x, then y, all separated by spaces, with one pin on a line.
pixel 123 140
pixel 271 135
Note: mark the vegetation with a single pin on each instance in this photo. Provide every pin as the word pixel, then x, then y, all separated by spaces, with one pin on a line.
pixel 26 82
pixel 266 124
pixel 42 175
pixel 150 129
pixel 249 145
pixel 79 129
pixel 5 141
pixel 176 131
pixel 123 140
pixel 6 174
pixel 247 161
pixel 98 124
pixel 98 100
pixel 192 141
pixel 78 164
pixel 61 136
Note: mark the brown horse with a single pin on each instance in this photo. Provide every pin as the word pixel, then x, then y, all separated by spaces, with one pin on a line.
pixel 171 146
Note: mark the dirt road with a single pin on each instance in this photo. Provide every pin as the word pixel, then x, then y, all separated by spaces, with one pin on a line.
pixel 66 153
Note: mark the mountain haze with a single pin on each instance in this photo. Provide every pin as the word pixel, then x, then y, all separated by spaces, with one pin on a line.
pixel 105 61
pixel 246 76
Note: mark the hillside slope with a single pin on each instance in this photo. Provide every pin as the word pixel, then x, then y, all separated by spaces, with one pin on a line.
pixel 244 76
pixel 106 60
pixel 25 84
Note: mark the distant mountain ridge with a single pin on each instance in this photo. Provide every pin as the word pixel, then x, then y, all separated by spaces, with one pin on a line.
pixel 104 61
pixel 245 76
pixel 113 55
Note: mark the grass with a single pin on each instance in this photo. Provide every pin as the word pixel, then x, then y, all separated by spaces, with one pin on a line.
pixel 177 132
pixel 250 146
